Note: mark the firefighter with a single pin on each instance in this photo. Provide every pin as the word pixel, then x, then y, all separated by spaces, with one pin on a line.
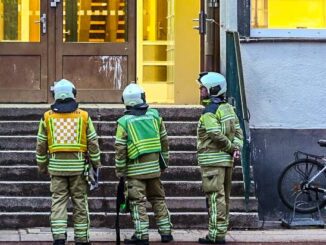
pixel 219 141
pixel 66 136
pixel 141 139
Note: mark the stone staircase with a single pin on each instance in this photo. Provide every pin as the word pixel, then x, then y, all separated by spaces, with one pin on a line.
pixel 25 196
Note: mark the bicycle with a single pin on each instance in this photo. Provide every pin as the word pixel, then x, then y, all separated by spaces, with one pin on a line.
pixel 302 184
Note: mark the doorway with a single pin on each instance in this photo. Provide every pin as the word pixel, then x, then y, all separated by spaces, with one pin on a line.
pixel 90 42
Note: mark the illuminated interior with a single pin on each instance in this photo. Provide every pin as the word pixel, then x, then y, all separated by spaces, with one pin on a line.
pixel 19 20
pixel 94 21
pixel 288 14
pixel 155 49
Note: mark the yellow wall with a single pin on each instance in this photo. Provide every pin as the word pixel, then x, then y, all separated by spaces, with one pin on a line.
pixel 187 52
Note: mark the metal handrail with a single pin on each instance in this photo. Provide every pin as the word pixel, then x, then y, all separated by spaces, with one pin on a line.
pixel 237 97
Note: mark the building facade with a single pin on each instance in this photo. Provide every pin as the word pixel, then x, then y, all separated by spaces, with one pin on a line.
pixel 101 45
pixel 283 52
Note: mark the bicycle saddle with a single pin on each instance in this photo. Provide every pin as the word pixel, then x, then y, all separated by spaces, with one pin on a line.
pixel 322 143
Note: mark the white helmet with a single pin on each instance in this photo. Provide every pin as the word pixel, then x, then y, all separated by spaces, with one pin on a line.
pixel 64 89
pixel 214 82
pixel 133 95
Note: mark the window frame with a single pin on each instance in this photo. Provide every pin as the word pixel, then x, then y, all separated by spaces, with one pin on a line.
pixel 245 29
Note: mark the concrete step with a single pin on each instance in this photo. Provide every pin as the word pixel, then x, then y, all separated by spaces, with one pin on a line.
pixel 107 204
pixel 184 173
pixel 13 158
pixel 98 112
pixel 177 143
pixel 184 220
pixel 23 128
pixel 108 188
pixel 25 195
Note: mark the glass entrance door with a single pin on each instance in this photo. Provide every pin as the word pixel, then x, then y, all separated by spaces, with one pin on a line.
pixel 23 51
pixel 96 47
pixel 90 42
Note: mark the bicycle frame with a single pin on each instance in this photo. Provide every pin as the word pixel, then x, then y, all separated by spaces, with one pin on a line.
pixel 320 159
pixel 307 185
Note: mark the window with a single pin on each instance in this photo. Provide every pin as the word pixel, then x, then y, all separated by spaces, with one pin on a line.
pixel 288 18
pixel 19 20
pixel 95 21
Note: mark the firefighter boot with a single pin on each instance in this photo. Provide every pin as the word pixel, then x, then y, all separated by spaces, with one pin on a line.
pixel 135 240
pixel 166 238
pixel 59 242
pixel 206 240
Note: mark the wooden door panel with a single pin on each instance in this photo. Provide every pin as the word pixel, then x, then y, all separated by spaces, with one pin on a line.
pixel 20 72
pixel 96 72
pixel 97 54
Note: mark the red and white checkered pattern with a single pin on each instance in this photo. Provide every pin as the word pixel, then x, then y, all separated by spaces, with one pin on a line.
pixel 65 130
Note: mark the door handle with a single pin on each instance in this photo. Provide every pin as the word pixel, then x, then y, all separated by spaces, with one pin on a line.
pixel 43 22
pixel 67 32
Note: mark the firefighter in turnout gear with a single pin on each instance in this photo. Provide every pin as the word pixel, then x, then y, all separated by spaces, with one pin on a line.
pixel 219 141
pixel 141 141
pixel 66 136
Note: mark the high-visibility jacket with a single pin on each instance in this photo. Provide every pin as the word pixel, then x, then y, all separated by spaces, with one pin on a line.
pixel 218 135
pixel 66 158
pixel 66 131
pixel 143 133
pixel 139 142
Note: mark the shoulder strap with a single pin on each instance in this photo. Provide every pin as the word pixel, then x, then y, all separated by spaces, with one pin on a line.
pixel 47 115
pixel 83 113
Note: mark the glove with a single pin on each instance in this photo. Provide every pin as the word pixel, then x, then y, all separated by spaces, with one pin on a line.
pixel 236 155
pixel 93 178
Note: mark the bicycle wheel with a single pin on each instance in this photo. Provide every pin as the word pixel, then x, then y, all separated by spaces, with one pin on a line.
pixel 292 181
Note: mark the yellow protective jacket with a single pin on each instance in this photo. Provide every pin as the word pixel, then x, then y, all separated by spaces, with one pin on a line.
pixel 66 131
pixel 63 141
pixel 218 135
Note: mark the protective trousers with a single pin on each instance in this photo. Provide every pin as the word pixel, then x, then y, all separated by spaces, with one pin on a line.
pixel 217 186
pixel 63 187
pixel 152 189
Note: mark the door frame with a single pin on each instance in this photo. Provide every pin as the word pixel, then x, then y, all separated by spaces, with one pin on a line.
pixel 62 49
pixel 211 61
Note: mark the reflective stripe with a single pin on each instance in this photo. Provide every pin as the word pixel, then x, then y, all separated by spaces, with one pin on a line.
pixel 143 133
pixel 143 168
pixel 58 227
pixel 209 158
